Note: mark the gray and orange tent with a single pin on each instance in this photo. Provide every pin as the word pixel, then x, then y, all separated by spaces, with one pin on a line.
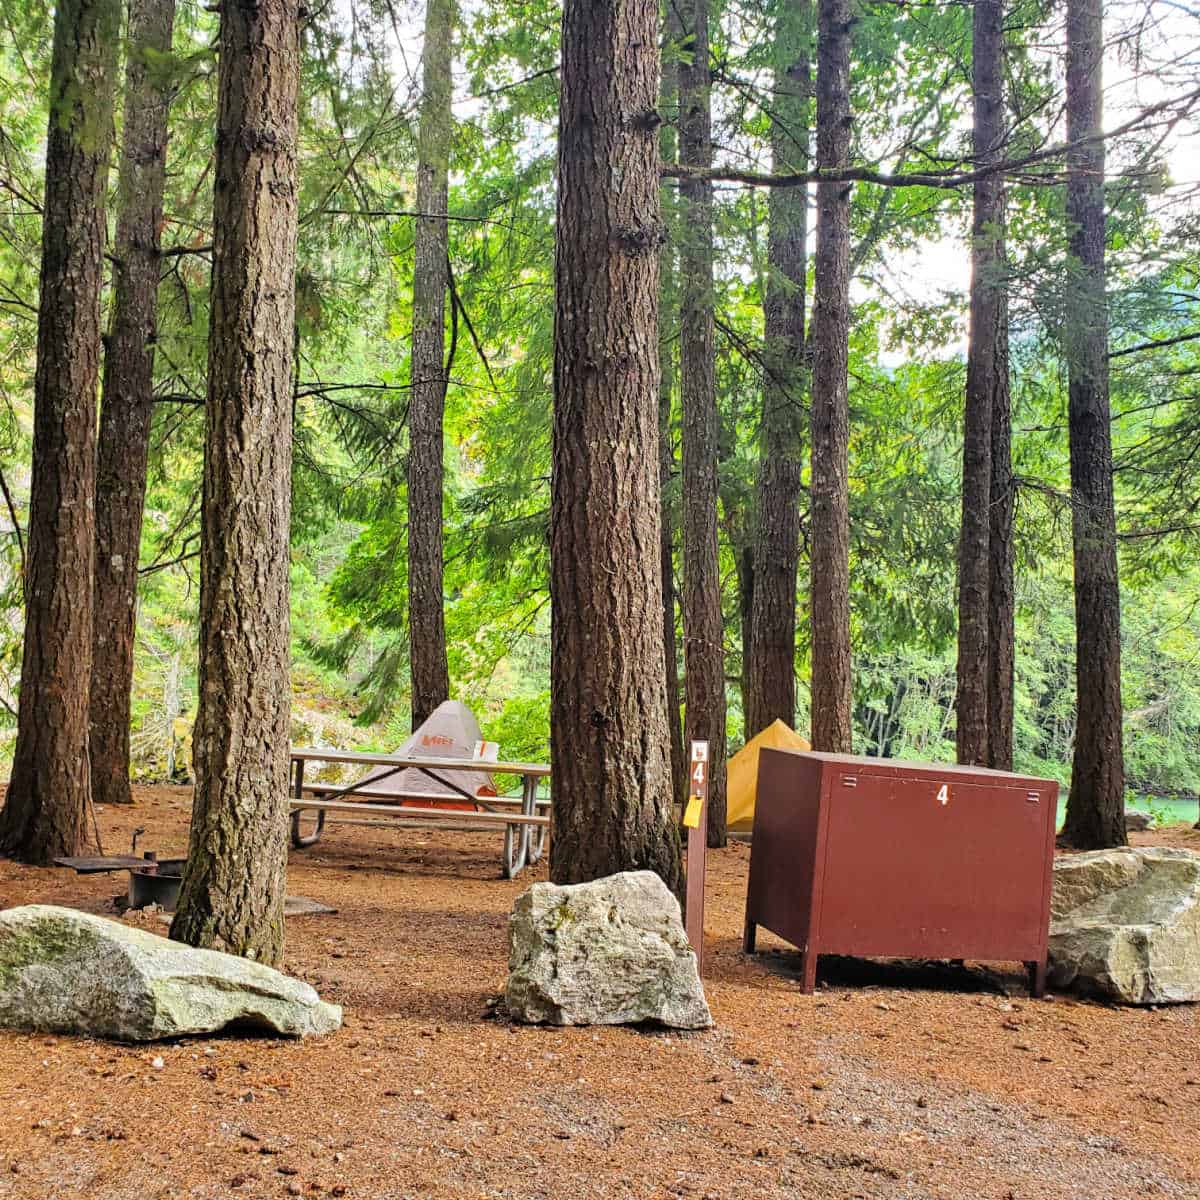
pixel 450 731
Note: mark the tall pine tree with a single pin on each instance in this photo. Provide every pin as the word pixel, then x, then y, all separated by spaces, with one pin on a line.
pixel 1095 807
pixel 667 345
pixel 128 392
pixel 609 745
pixel 830 559
pixel 233 883
pixel 703 636
pixel 986 402
pixel 772 655
pixel 48 795
pixel 427 399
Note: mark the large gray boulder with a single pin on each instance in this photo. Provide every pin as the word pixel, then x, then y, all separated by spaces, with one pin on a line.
pixel 610 952
pixel 63 971
pixel 1125 925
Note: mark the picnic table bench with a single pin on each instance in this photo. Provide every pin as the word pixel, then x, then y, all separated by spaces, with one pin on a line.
pixel 524 819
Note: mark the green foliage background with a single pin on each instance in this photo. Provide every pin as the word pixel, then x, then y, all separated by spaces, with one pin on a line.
pixel 354 314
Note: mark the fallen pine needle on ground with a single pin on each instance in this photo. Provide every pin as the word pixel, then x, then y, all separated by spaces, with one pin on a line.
pixel 903 1081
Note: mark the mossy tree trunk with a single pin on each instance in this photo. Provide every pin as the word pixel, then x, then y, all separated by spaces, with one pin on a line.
pixel 50 790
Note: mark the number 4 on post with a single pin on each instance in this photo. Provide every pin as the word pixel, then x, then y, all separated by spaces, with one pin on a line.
pixel 695 819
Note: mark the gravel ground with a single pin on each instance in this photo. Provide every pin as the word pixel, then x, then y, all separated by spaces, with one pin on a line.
pixel 892 1081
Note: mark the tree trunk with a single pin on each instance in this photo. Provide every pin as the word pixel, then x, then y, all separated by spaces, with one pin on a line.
pixel 703 634
pixel 426 615
pixel 669 307
pixel 1095 808
pixel 771 665
pixel 747 583
pixel 609 744
pixel 50 790
pixel 830 559
pixel 1001 600
pixel 233 883
pixel 127 397
pixel 666 463
pixel 987 387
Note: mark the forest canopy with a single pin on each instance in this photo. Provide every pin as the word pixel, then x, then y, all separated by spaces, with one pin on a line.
pixel 364 81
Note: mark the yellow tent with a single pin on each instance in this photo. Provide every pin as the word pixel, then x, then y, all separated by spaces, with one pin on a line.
pixel 743 771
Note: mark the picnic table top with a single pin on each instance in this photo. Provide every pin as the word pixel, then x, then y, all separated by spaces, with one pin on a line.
pixel 367 758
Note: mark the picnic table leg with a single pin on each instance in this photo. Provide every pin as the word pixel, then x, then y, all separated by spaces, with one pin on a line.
pixel 516 848
pixel 517 837
pixel 299 840
pixel 535 836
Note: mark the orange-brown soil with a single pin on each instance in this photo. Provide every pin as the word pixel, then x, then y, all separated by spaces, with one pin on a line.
pixel 889 1082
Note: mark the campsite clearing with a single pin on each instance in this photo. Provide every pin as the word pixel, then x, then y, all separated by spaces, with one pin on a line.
pixel 888 1082
pixel 440 775
pixel 360 801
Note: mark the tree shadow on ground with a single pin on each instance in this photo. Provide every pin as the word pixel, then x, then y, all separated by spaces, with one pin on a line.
pixel 933 975
pixel 467 864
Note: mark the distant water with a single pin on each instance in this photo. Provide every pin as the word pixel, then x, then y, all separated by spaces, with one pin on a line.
pixel 1167 812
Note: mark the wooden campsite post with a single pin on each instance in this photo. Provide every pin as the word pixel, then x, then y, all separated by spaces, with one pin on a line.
pixel 695 820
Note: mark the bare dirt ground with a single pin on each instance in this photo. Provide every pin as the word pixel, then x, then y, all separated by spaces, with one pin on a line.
pixel 889 1082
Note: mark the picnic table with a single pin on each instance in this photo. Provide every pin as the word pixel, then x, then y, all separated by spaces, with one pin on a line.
pixel 524 820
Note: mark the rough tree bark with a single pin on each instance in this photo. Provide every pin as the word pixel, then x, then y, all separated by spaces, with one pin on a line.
pixel 49 793
pixel 609 744
pixel 426 615
pixel 666 465
pixel 668 330
pixel 745 569
pixel 1095 807
pixel 233 883
pixel 703 631
pixel 1001 593
pixel 772 656
pixel 127 397
pixel 830 559
pixel 987 388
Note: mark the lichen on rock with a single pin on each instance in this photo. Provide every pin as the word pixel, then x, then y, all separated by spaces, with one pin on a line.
pixel 64 971
pixel 1125 925
pixel 609 952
